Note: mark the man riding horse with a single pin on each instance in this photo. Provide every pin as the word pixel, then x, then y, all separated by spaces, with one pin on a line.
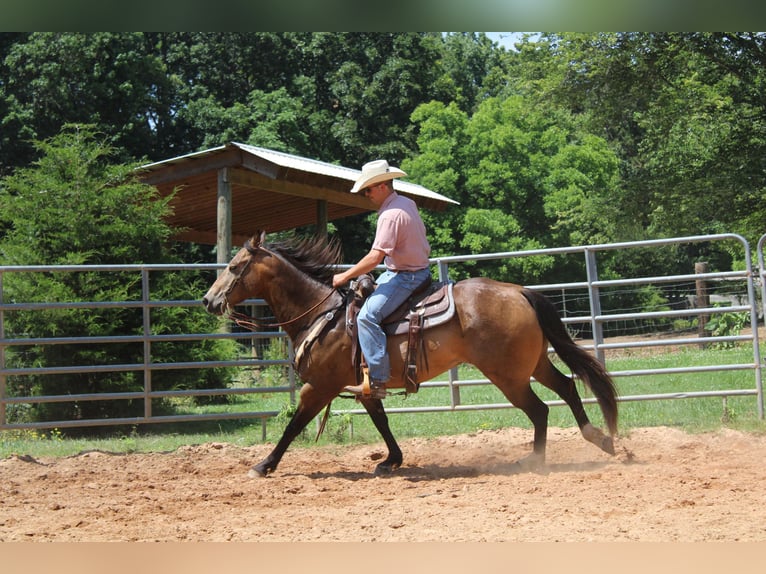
pixel 400 242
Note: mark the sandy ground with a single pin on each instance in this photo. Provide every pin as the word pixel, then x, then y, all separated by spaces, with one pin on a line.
pixel 663 485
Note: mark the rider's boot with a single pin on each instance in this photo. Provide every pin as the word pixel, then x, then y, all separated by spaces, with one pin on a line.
pixel 368 388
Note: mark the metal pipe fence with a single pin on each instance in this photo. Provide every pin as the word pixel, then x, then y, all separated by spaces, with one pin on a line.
pixel 595 317
pixel 147 339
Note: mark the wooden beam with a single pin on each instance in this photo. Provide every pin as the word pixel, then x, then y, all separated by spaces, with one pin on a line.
pixel 172 173
pixel 247 178
pixel 259 165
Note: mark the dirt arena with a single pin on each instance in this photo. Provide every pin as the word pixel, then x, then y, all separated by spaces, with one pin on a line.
pixel 663 485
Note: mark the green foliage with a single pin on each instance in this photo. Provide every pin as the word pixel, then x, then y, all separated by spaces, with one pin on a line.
pixel 684 112
pixel 528 177
pixel 726 325
pixel 112 80
pixel 274 375
pixel 472 67
pixel 581 137
pixel 74 207
pixel 272 120
pixel 486 231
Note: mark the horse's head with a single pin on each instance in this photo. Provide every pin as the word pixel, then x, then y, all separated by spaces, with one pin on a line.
pixel 237 282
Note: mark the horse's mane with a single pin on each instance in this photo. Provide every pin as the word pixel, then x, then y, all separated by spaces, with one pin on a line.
pixel 314 256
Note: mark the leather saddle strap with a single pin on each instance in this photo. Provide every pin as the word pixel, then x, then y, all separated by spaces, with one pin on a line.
pixel 413 346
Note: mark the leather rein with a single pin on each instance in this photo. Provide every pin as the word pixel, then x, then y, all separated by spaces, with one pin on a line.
pixel 247 322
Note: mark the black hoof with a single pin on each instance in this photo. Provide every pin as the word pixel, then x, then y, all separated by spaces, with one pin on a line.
pixel 386 468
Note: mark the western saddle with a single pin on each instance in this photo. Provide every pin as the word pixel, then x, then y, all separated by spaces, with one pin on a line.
pixel 430 305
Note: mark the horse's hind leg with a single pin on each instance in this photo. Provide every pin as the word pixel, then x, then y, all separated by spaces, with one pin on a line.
pixel 523 397
pixel 374 408
pixel 548 375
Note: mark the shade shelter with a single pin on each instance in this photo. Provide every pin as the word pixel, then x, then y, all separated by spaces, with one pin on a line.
pixel 225 193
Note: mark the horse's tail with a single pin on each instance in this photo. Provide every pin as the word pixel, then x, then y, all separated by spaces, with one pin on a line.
pixel 582 363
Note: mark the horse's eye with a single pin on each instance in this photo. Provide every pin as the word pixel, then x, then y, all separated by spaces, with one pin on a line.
pixel 233 268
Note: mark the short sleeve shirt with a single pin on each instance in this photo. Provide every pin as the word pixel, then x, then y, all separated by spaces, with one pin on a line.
pixel 401 235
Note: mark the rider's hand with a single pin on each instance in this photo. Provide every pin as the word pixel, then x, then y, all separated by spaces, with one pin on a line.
pixel 338 280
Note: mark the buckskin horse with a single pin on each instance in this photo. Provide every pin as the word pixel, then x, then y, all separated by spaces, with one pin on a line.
pixel 501 328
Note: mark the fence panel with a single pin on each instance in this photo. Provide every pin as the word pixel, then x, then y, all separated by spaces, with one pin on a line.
pixel 146 367
pixel 600 314
pixel 588 306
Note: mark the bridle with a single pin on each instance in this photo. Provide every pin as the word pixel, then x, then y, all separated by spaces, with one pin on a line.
pixel 251 323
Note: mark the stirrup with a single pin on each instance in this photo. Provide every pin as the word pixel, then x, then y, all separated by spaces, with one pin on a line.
pixel 367 389
pixel 371 392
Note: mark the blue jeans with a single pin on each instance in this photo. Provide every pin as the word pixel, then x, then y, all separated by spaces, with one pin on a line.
pixel 393 290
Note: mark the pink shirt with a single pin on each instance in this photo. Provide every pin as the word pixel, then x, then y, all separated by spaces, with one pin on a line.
pixel 401 235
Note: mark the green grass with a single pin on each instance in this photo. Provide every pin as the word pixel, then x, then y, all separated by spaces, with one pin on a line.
pixel 690 414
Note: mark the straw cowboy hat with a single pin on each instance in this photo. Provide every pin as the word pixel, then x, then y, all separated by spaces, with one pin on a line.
pixel 375 172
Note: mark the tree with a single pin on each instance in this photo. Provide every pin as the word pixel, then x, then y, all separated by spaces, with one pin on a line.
pixel 681 112
pixel 273 120
pixel 111 80
pixel 526 177
pixel 75 207
pixel 685 113
pixel 342 97
pixel 474 69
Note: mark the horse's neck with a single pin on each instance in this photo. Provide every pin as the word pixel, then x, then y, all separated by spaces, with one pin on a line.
pixel 290 295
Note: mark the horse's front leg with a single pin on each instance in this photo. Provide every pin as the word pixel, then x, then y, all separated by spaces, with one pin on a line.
pixel 292 430
pixel 309 405
pixel 374 408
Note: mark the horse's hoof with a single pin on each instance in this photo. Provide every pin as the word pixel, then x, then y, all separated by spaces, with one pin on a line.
pixel 256 472
pixel 386 469
pixel 530 463
pixel 602 441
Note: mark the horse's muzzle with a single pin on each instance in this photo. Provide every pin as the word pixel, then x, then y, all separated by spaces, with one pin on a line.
pixel 214 305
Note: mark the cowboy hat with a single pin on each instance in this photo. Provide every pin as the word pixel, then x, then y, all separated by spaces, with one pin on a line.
pixel 374 172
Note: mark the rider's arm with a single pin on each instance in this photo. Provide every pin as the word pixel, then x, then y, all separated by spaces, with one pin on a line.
pixel 365 265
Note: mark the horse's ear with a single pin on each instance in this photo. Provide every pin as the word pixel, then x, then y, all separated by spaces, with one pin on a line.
pixel 258 238
pixel 255 242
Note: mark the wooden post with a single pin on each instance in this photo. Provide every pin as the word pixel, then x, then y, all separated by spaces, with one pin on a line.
pixel 702 299
pixel 321 218
pixel 223 223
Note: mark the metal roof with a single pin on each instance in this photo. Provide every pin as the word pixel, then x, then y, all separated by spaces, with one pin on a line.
pixel 271 190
